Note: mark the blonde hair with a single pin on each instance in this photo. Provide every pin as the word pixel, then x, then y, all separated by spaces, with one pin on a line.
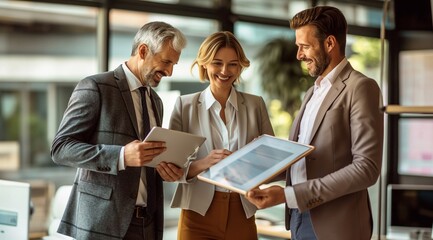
pixel 210 47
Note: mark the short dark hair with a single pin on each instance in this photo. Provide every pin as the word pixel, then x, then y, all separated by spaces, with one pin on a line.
pixel 327 20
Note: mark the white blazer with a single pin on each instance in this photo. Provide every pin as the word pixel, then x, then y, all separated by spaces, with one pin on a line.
pixel 190 115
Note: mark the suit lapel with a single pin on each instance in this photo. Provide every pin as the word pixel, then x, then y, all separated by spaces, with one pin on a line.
pixel 336 88
pixel 203 120
pixel 156 107
pixel 122 83
pixel 242 120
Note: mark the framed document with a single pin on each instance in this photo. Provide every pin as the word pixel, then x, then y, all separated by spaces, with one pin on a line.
pixel 180 146
pixel 255 163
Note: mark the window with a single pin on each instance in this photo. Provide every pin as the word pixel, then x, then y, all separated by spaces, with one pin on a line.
pixel 195 30
pixel 360 15
pixel 278 9
pixel 42 45
pixel 199 3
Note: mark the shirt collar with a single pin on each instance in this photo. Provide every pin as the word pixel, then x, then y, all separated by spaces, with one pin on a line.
pixel 209 99
pixel 332 75
pixel 233 98
pixel 132 80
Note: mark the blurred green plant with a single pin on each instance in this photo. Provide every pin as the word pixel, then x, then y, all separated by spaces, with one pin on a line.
pixel 283 79
pixel 365 53
pixel 281 120
pixel 365 56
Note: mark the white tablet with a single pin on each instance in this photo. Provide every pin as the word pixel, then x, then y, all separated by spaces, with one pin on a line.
pixel 180 145
pixel 255 163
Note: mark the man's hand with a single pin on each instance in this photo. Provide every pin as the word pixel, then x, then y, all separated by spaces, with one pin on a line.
pixel 138 153
pixel 268 197
pixel 169 172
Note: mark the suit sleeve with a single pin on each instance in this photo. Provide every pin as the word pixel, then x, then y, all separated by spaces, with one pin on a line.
pixel 72 145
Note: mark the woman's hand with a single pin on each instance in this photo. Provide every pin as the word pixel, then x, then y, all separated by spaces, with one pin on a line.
pixel 211 159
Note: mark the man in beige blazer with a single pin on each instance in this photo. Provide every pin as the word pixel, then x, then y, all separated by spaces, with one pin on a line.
pixel 326 194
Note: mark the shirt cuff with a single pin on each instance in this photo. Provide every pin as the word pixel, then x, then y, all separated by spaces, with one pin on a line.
pixel 290 197
pixel 121 163
pixel 184 179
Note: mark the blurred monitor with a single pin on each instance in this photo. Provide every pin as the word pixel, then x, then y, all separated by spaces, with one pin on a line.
pixel 14 210
pixel 409 211
pixel 415 74
pixel 415 147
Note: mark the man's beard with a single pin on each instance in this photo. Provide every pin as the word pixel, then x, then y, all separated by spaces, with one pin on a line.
pixel 148 79
pixel 322 63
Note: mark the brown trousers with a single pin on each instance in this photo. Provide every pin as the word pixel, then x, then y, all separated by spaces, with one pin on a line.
pixel 224 220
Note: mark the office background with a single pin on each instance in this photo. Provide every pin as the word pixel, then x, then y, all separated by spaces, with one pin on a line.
pixel 46 47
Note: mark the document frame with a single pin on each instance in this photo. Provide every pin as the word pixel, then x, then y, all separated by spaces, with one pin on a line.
pixel 180 146
pixel 256 163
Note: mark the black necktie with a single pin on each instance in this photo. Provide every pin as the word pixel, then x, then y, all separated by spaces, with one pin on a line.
pixel 145 113
pixel 150 172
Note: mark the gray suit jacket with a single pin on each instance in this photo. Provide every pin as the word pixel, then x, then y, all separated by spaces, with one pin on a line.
pixel 348 136
pixel 190 115
pixel 98 121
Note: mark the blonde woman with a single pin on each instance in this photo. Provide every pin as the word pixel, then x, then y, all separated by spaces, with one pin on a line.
pixel 228 119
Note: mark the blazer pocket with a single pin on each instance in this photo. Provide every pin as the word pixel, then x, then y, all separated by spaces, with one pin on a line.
pixel 335 114
pixel 100 191
pixel 335 118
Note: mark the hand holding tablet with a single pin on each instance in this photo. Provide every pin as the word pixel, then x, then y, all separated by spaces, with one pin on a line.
pixel 255 163
pixel 180 146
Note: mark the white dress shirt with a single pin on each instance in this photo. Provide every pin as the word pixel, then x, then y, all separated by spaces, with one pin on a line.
pixel 224 135
pixel 134 85
pixel 322 86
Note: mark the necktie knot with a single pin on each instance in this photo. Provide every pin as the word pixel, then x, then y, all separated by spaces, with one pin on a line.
pixel 143 90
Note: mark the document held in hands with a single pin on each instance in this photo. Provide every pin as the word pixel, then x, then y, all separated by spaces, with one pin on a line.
pixel 256 163
pixel 180 146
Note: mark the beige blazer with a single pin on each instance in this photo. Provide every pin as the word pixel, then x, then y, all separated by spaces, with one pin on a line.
pixel 348 136
pixel 190 115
